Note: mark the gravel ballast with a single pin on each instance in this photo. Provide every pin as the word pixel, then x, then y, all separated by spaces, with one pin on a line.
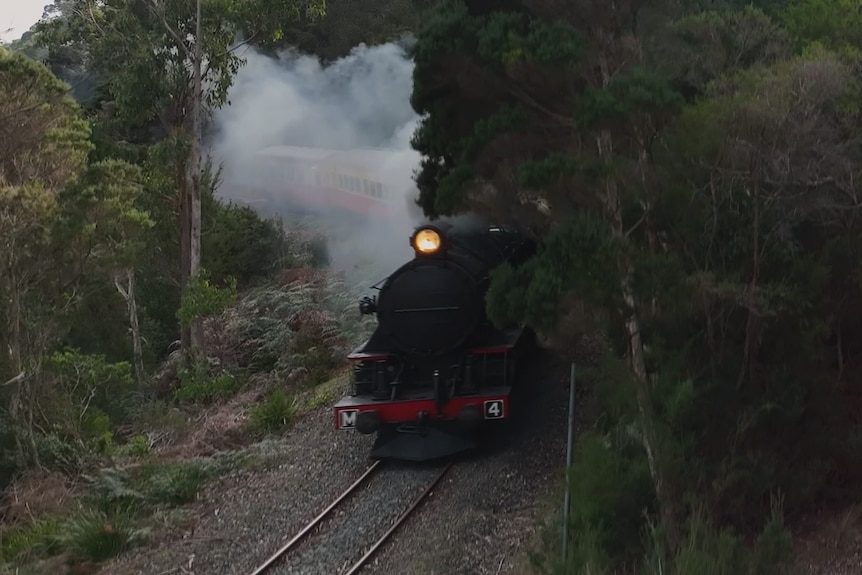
pixel 480 518
pixel 486 513
pixel 360 522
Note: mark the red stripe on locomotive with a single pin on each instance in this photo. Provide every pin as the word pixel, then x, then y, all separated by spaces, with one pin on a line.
pixel 407 411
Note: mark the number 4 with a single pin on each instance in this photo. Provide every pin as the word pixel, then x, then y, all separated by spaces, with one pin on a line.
pixel 494 409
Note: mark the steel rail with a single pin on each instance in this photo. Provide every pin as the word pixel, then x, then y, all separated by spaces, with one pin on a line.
pixel 311 525
pixel 361 562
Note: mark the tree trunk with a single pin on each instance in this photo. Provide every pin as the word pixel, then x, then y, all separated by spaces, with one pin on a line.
pixel 668 506
pixel 197 337
pixel 21 401
pixel 128 294
pixel 185 252
pixel 17 367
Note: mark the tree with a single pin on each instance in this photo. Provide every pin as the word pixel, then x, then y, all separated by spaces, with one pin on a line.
pixel 157 56
pixel 348 23
pixel 701 237
pixel 59 221
pixel 547 115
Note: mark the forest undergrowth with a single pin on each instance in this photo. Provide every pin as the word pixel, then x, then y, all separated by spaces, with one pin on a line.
pixel 114 472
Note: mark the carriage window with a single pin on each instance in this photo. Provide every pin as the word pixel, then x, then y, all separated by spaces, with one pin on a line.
pixel 379 188
pixel 365 189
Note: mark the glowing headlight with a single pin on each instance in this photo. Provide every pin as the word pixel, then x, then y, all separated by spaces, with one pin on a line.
pixel 426 241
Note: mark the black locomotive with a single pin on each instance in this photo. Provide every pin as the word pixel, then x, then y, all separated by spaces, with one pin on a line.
pixel 436 368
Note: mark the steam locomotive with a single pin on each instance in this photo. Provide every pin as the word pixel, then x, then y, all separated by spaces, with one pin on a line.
pixel 435 370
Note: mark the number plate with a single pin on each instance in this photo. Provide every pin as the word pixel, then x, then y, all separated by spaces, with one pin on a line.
pixel 347 418
pixel 494 409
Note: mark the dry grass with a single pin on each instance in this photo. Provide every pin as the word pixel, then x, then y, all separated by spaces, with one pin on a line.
pixel 224 426
pixel 36 494
pixel 217 428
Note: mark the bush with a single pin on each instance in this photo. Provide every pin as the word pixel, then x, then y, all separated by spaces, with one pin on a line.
pixel 274 414
pixel 710 550
pixel 150 486
pixel 197 385
pixel 303 328
pixel 97 536
pixel 610 489
pixel 35 539
pixel 88 393
pixel 239 243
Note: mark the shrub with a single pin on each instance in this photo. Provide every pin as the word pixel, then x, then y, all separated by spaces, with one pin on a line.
pixel 710 550
pixel 152 485
pixel 197 385
pixel 34 539
pixel 96 536
pixel 275 413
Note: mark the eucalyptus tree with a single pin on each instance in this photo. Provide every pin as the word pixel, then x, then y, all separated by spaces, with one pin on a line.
pixel 684 172
pixel 545 113
pixel 62 222
pixel 166 64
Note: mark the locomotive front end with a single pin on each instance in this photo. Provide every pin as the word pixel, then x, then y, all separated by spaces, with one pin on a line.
pixel 435 368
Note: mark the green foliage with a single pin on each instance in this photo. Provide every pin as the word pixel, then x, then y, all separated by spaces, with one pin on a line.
pixel 578 255
pixel 275 413
pixel 503 120
pixel 699 48
pixel 505 38
pixel 636 91
pixel 151 486
pixel 113 515
pixel 348 23
pixel 301 329
pixel 835 23
pixel 610 489
pixel 202 299
pixel 37 538
pixel 93 381
pixel 322 398
pixel 173 484
pixel 43 136
pixel 95 536
pixel 87 535
pixel 669 158
pixel 199 385
pixel 713 551
pixel 238 243
pixel 137 446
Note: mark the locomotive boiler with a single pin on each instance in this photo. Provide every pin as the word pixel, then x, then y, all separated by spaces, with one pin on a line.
pixel 435 369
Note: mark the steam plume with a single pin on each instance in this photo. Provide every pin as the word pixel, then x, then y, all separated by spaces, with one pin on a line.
pixel 361 100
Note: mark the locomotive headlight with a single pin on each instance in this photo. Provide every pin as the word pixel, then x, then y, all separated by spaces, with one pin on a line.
pixel 426 241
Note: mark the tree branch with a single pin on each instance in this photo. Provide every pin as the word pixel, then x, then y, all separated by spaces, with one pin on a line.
pixel 17 379
pixel 153 6
pixel 240 45
pixel 525 98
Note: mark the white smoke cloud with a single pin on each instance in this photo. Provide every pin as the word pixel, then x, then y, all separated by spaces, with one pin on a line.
pixel 361 100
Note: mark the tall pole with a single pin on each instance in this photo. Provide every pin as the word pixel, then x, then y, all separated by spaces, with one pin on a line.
pixel 569 449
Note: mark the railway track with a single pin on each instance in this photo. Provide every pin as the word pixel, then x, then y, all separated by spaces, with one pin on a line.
pixel 280 562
